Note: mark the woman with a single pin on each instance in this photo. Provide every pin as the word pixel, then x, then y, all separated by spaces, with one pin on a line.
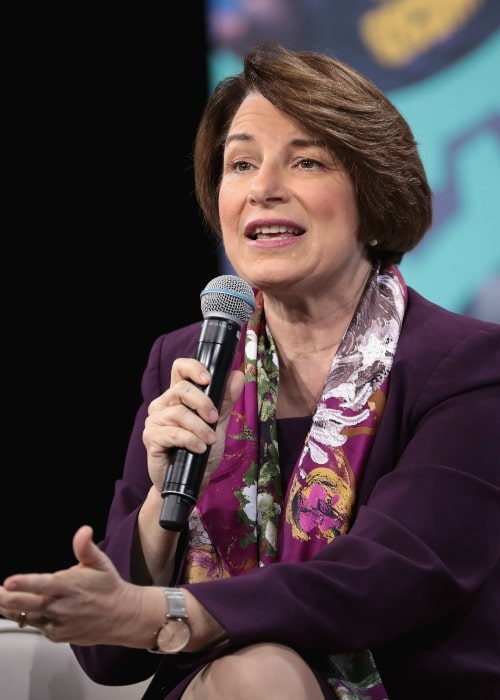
pixel 344 542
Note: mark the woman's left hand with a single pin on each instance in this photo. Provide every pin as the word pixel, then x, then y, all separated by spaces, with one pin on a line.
pixel 89 603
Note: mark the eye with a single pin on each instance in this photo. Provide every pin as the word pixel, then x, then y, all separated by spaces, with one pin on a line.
pixel 309 164
pixel 239 166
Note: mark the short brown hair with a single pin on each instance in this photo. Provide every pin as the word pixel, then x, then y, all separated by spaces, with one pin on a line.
pixel 359 125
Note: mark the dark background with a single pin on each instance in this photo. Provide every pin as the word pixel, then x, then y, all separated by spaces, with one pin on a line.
pixel 103 244
pixel 106 251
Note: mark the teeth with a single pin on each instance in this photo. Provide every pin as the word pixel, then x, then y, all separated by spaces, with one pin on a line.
pixel 275 229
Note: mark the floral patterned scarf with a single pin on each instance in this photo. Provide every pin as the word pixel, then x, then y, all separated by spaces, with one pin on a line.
pixel 244 508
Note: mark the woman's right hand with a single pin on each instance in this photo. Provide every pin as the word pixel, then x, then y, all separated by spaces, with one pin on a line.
pixel 183 416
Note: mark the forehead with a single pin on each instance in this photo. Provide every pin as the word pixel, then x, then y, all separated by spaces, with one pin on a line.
pixel 257 111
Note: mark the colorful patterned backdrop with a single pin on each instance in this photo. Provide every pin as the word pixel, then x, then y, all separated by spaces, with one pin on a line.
pixel 439 62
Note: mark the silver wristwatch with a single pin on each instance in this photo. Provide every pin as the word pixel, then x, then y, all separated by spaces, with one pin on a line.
pixel 175 633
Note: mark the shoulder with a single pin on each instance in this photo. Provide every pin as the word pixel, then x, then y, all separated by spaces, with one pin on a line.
pixel 166 348
pixel 431 328
pixel 178 343
pixel 423 311
pixel 436 342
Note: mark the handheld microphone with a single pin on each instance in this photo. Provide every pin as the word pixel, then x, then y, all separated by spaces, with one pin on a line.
pixel 227 303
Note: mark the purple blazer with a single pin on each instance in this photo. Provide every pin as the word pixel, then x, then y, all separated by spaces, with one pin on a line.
pixel 416 579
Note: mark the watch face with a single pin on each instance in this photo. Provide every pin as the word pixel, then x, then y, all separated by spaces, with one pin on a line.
pixel 173 636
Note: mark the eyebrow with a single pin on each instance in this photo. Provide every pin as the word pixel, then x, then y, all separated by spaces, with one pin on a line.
pixel 301 142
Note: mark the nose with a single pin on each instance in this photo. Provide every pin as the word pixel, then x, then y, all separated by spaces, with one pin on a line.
pixel 267 185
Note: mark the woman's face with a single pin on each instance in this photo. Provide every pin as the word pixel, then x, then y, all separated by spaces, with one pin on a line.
pixel 288 212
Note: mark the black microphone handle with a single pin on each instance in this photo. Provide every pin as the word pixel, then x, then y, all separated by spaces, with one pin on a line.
pixel 216 349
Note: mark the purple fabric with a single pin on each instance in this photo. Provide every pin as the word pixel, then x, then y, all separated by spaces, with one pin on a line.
pixel 429 612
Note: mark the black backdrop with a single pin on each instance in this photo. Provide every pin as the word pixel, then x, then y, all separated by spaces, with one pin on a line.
pixel 106 252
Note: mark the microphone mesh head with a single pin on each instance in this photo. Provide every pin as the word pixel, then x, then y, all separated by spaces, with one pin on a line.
pixel 228 296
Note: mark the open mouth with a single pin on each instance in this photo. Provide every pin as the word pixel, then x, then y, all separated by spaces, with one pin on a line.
pixel 274 231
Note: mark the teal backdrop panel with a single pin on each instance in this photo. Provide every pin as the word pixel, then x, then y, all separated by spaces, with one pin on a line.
pixel 439 62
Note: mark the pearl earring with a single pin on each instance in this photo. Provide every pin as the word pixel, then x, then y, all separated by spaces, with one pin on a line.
pixel 373 243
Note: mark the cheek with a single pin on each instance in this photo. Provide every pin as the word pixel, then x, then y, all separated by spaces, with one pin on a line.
pixel 230 205
pixel 223 201
pixel 349 202
pixel 343 207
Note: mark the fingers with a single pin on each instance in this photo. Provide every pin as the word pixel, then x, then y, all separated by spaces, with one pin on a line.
pixel 183 415
pixel 22 620
pixel 189 369
pixel 29 583
pixel 186 394
pixel 32 619
pixel 86 551
pixel 35 592
pixel 69 603
pixel 177 426
pixel 20 600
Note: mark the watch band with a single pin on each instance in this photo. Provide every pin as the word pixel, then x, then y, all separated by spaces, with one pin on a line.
pixel 176 602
